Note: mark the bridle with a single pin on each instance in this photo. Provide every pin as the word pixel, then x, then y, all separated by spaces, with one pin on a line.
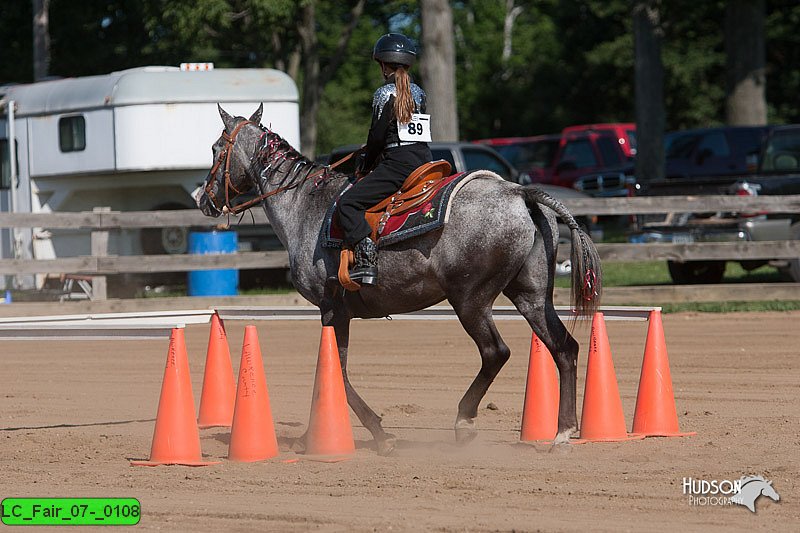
pixel 224 159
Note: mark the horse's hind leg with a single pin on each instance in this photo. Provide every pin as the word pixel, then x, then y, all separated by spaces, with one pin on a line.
pixel 532 302
pixel 479 324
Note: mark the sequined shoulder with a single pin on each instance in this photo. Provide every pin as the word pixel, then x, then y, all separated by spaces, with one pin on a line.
pixel 419 97
pixel 381 96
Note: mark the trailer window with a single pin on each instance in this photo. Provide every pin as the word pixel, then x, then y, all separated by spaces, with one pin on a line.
pixel 5 165
pixel 72 134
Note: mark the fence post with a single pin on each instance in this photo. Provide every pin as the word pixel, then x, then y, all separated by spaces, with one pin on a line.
pixel 99 249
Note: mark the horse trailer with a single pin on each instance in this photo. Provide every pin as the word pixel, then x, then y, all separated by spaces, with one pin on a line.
pixel 134 140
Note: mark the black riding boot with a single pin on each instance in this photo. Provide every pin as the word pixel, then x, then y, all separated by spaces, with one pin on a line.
pixel 365 270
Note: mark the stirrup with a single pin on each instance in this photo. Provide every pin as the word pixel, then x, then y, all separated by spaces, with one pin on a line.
pixel 364 275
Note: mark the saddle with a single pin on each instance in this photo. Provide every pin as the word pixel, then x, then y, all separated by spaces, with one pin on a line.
pixel 418 187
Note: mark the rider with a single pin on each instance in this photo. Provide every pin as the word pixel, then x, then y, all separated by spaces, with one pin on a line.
pixel 388 158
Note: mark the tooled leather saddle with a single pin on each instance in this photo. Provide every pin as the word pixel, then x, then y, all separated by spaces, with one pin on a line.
pixel 420 186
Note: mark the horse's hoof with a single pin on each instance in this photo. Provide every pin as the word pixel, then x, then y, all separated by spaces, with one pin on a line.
pixel 465 431
pixel 298 444
pixel 386 445
pixel 560 448
pixel 563 436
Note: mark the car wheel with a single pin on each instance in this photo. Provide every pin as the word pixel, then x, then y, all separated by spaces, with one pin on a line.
pixel 695 272
pixel 794 264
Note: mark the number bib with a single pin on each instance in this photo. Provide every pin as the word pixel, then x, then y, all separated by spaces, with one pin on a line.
pixel 418 130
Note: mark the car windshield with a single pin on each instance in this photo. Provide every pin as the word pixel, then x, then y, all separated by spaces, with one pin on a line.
pixel 527 155
pixel 782 152
pixel 475 159
pixel 680 146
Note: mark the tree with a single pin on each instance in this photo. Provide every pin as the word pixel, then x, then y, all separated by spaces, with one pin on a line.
pixel 745 98
pixel 783 58
pixel 41 39
pixel 649 74
pixel 438 68
pixel 315 75
pixel 16 42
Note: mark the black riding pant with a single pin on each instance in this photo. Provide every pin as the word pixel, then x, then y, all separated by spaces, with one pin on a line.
pixel 379 184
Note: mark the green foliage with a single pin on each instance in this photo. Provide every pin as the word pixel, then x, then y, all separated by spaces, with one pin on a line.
pixel 16 38
pixel 570 62
pixel 783 58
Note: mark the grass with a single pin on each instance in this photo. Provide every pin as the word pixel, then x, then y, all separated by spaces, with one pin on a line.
pixel 629 274
pixel 731 307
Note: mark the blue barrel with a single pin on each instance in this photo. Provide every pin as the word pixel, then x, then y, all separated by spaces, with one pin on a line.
pixel 213 282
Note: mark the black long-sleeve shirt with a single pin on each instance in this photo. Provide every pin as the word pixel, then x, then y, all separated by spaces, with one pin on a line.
pixel 383 130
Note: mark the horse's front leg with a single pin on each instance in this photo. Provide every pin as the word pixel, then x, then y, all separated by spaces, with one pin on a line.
pixel 340 321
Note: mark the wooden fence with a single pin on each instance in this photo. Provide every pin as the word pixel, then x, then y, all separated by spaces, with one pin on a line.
pixel 100 222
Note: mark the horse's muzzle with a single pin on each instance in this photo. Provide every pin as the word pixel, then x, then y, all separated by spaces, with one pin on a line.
pixel 204 203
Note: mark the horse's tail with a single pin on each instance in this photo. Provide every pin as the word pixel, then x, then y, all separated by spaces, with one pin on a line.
pixel 586 286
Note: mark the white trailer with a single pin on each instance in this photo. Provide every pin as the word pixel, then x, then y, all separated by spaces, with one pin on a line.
pixel 134 140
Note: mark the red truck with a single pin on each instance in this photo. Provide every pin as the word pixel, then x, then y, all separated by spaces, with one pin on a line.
pixel 578 150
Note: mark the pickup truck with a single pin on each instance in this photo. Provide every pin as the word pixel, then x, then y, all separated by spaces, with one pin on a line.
pixel 561 159
pixel 778 173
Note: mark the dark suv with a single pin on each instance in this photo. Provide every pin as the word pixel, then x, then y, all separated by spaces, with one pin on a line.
pixel 713 151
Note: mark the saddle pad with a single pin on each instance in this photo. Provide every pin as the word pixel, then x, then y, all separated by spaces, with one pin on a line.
pixel 427 217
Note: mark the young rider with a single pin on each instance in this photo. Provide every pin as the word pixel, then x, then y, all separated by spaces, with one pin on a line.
pixel 395 147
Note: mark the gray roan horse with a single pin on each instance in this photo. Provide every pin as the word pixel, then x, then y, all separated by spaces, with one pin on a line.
pixel 486 248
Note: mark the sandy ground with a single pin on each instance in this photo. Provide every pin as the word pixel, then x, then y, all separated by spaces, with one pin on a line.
pixel 73 414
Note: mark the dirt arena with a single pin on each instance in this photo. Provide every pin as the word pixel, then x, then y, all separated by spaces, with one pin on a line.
pixel 74 413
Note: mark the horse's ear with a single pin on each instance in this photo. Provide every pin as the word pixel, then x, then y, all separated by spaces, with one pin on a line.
pixel 256 117
pixel 228 120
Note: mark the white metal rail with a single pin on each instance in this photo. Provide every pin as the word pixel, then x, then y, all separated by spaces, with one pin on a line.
pixel 439 312
pixel 158 324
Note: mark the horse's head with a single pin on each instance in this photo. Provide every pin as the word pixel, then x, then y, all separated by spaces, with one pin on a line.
pixel 769 491
pixel 231 173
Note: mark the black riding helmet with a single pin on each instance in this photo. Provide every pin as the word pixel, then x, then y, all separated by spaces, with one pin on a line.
pixel 395 48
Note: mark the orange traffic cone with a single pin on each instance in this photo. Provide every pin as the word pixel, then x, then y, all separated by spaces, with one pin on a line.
pixel 253 431
pixel 176 440
pixel 219 386
pixel 540 411
pixel 602 419
pixel 329 431
pixel 655 414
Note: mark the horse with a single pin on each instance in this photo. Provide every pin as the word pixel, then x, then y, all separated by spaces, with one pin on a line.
pixel 751 488
pixel 486 248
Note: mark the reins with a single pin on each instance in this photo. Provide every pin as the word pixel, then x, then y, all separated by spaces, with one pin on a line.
pixel 224 157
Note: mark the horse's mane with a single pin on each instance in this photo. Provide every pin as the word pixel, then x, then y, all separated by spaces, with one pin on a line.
pixel 275 152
